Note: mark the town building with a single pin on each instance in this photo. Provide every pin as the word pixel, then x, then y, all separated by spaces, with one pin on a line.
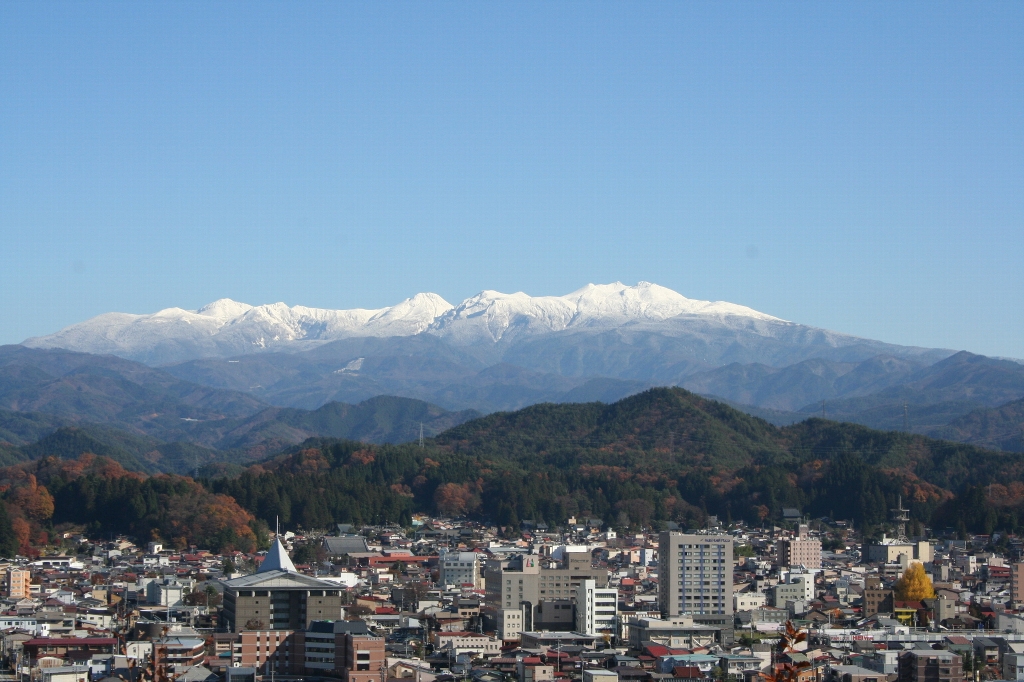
pixel 277 597
pixel 543 596
pixel 18 583
pixel 929 666
pixel 344 649
pixel 877 597
pixel 458 568
pixel 678 632
pixel 596 608
pixel 802 550
pixel 695 574
pixel 1017 583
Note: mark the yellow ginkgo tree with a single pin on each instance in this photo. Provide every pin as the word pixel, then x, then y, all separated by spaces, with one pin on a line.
pixel 915 584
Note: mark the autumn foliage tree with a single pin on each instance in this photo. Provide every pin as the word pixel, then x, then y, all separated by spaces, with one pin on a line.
pixel 915 584
pixel 786 670
pixel 453 499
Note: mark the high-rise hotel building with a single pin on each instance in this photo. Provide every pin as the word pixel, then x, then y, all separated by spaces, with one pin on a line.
pixel 694 574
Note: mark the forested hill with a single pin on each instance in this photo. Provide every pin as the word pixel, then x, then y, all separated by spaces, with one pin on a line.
pixel 663 455
pixel 674 432
pixel 639 430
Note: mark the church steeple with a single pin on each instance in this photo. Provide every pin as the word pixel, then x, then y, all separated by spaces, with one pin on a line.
pixel 277 559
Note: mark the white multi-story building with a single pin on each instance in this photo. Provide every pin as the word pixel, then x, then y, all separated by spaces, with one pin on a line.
pixel 166 592
pixel 597 609
pixel 694 574
pixel 458 643
pixel 510 623
pixel 458 568
pixel 748 601
pixel 798 588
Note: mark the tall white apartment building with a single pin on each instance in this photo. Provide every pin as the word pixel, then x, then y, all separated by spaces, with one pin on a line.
pixel 597 609
pixel 458 568
pixel 694 574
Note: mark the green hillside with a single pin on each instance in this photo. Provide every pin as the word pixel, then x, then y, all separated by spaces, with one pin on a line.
pixel 665 455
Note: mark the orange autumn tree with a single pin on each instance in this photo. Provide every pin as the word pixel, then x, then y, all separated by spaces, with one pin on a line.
pixel 453 499
pixel 788 671
pixel 915 584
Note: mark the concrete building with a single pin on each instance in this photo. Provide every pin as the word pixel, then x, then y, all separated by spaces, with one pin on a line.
pixel 695 574
pixel 888 551
pixel 474 643
pixel 678 632
pixel 800 551
pixel 877 597
pixel 597 608
pixel 799 588
pixel 929 666
pixel 510 623
pixel 748 601
pixel 277 597
pixel 543 596
pixel 280 650
pixel 166 592
pixel 18 582
pixel 1017 584
pixel 458 568
pixel 344 649
pixel 175 655
pixel 1013 666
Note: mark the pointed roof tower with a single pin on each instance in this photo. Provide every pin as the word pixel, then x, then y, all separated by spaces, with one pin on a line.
pixel 277 560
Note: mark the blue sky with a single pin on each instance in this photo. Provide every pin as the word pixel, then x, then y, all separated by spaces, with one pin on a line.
pixel 855 166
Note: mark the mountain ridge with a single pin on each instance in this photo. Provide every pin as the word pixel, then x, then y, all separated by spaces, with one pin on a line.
pixel 226 328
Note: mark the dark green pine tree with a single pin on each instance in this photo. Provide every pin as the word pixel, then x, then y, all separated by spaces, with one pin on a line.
pixel 8 542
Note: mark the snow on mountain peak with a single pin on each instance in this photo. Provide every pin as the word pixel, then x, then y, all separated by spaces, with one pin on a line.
pixel 226 327
pixel 224 308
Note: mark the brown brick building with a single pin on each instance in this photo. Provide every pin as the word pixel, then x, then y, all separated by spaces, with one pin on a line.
pixel 345 649
pixel 877 597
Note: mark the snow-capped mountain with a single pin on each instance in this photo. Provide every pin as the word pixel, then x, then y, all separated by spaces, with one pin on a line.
pixel 226 328
pixel 494 316
pixel 496 351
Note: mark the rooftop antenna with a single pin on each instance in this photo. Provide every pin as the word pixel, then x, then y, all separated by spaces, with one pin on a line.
pixel 900 517
pixel 421 434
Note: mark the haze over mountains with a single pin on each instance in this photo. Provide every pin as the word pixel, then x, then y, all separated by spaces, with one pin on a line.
pixel 498 351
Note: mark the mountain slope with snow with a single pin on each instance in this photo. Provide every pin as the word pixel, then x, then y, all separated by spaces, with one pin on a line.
pixel 226 328
pixel 644 333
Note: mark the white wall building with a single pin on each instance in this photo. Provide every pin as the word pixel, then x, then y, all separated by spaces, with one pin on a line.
pixel 748 601
pixel 458 568
pixel 458 643
pixel 597 608
pixel 510 623
pixel 799 588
